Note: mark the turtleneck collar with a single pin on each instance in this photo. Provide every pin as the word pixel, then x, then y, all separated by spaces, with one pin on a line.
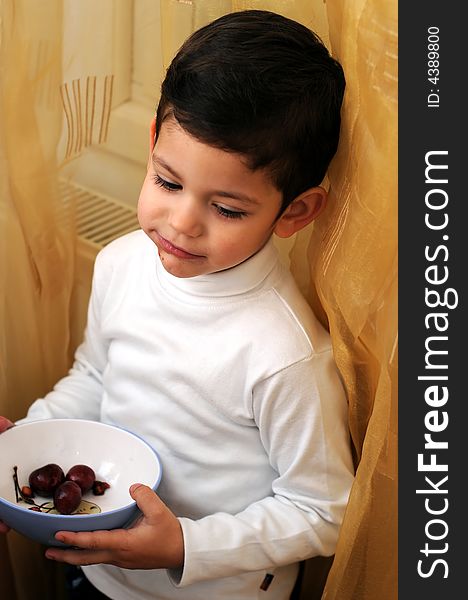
pixel 243 278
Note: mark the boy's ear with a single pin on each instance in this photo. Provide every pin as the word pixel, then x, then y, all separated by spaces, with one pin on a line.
pixel 152 134
pixel 302 211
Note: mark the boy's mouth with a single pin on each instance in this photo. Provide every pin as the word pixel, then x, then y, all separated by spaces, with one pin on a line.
pixel 170 248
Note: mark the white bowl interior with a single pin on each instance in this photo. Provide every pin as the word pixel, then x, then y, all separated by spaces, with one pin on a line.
pixel 118 457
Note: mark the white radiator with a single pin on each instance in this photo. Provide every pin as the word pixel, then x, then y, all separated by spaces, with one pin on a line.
pixel 98 220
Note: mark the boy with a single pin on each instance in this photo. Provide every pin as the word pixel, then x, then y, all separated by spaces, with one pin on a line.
pixel 198 339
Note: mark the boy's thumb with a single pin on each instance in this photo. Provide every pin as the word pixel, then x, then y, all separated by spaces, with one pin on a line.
pixel 145 498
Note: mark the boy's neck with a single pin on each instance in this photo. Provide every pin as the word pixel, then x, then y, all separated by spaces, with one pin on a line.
pixel 240 279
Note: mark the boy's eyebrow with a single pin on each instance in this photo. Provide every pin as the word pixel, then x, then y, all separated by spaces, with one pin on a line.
pixel 159 162
pixel 237 196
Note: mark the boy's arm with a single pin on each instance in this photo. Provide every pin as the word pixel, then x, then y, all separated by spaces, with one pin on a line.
pixel 301 414
pixel 77 395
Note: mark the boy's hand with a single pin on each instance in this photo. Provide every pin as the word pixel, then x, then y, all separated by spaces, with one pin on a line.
pixel 155 541
pixel 4 425
pixel 4 528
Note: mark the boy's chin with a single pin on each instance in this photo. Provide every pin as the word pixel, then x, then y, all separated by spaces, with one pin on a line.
pixel 181 268
pixel 186 269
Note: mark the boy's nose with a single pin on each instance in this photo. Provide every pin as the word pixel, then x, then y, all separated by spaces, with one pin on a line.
pixel 186 218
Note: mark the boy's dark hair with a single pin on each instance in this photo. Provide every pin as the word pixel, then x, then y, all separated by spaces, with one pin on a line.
pixel 261 85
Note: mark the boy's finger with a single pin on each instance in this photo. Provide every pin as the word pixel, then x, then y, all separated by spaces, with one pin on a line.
pixel 79 557
pixel 4 528
pixel 94 540
pixel 148 502
pixel 5 424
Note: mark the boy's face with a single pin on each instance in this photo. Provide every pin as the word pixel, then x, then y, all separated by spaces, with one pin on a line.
pixel 205 210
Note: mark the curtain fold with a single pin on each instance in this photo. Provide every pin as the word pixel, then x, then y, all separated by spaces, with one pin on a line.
pixel 352 284
pixel 37 245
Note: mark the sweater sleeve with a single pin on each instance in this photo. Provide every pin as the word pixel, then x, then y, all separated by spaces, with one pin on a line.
pixel 78 395
pixel 301 414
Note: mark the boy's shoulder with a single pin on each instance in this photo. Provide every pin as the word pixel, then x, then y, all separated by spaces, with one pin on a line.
pixel 119 260
pixel 281 324
pixel 300 316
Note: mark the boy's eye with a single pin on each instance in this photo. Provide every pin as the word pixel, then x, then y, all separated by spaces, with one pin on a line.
pixel 229 214
pixel 167 185
pixel 174 187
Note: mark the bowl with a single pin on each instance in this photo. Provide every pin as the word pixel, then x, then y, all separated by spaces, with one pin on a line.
pixel 117 456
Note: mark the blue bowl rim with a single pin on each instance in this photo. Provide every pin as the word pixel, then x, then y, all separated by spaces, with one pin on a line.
pixel 102 515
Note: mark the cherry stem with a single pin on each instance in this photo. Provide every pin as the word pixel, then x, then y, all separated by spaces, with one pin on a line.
pixel 19 494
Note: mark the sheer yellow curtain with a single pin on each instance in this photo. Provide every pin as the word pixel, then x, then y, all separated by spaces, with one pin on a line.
pixel 36 251
pixel 349 274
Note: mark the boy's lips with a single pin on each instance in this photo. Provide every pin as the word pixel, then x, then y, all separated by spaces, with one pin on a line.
pixel 170 248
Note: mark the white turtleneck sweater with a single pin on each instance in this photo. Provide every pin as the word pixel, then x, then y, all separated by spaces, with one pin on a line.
pixel 230 377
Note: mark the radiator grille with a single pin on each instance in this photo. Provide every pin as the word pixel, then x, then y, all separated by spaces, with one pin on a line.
pixel 99 219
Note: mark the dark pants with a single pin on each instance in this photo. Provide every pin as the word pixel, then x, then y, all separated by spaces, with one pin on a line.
pixel 79 587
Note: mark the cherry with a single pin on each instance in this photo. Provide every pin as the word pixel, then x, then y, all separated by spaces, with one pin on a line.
pixel 67 492
pixel 67 497
pixel 45 480
pixel 83 475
